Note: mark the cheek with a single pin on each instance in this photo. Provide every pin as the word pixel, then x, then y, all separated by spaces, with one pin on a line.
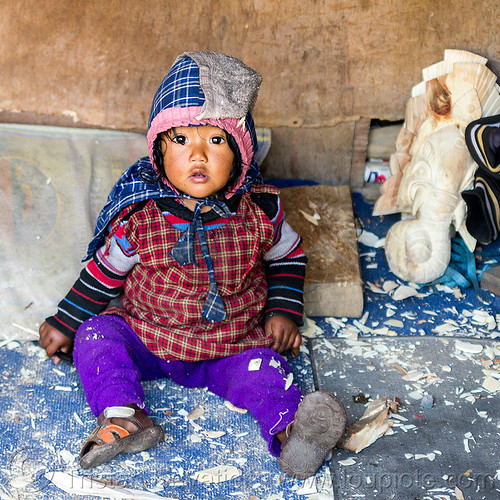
pixel 227 158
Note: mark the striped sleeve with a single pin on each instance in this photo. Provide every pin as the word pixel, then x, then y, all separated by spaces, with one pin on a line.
pixel 285 264
pixel 99 283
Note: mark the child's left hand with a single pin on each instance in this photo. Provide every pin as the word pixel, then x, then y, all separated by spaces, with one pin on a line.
pixel 285 333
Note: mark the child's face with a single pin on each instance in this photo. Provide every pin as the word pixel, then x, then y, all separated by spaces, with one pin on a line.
pixel 197 160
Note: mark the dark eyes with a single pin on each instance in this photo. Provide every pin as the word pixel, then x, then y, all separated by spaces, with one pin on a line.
pixel 179 139
pixel 182 139
pixel 217 139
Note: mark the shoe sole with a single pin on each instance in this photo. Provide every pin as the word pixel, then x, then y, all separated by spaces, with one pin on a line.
pixel 319 424
pixel 134 443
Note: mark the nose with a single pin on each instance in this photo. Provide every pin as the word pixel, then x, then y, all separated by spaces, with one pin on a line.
pixel 198 150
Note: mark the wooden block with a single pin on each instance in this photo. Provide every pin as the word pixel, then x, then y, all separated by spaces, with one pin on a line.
pixel 333 284
pixel 361 133
pixel 490 280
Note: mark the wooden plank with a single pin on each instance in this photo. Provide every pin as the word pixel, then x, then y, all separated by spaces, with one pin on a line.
pixel 333 284
pixel 360 146
pixel 490 280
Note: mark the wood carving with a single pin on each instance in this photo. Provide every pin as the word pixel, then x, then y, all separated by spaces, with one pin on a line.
pixel 432 166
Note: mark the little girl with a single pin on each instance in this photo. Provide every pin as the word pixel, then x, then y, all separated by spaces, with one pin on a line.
pixel 211 278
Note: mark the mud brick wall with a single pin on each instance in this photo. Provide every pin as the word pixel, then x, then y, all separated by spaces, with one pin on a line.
pixel 326 64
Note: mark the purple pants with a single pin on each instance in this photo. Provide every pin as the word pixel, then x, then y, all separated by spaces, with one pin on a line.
pixel 112 361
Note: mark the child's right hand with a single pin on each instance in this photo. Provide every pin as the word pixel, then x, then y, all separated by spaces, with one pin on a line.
pixel 52 340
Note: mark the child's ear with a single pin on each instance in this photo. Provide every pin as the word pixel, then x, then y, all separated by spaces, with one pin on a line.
pixel 162 142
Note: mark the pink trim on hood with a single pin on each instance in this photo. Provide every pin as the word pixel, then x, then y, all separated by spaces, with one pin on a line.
pixel 183 117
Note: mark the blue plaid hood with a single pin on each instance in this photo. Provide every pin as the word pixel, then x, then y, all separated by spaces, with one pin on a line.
pixel 182 101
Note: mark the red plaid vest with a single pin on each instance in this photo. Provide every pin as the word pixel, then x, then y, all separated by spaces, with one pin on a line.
pixel 163 301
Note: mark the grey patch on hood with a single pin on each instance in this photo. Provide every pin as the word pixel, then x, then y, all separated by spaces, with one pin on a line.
pixel 230 87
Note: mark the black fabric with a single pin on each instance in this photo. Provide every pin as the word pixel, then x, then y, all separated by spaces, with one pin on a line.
pixel 478 135
pixel 483 213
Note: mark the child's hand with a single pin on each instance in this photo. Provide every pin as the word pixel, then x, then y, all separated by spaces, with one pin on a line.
pixel 285 333
pixel 52 340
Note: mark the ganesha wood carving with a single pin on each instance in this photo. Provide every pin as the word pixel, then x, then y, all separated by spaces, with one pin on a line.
pixel 432 166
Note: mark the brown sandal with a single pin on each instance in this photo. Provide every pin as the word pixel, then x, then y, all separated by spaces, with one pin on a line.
pixel 110 439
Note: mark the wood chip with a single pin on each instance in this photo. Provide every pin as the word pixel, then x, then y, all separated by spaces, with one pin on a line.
pixel 430 456
pixel 310 329
pixel 20 482
pixel 374 423
pixel 403 292
pixel 413 376
pixel 214 434
pixel 389 286
pixel 231 407
pixel 444 328
pixel 309 218
pixel 370 239
pixel 347 461
pixel 394 322
pixel 196 413
pixel 491 384
pixel 468 347
pixel 375 288
pixel 78 419
pixel 416 395
pixel 466 445
pixel 399 368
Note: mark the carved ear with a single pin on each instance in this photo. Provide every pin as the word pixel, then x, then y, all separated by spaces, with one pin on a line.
pixel 467 108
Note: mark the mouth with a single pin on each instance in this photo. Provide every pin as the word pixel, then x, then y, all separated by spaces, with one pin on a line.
pixel 198 176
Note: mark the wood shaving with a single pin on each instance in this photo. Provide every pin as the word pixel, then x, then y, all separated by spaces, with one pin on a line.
pixel 374 423
pixel 310 218
pixel 468 347
pixel 347 461
pixel 371 240
pixel 403 292
pixel 231 407
pixel 196 413
pixel 214 434
pixel 491 384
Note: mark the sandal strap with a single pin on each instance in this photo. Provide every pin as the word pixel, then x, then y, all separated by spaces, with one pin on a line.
pixel 108 433
pixel 125 412
pixel 119 411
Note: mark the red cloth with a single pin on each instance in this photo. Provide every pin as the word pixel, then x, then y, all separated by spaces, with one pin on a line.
pixel 163 301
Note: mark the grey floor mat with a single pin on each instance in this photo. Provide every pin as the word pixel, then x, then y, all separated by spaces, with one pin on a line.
pixel 439 452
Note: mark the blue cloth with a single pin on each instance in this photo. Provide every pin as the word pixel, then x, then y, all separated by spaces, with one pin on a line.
pixel 180 88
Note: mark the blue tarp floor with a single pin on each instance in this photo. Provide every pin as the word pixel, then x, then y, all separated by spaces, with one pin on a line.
pixel 447 451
